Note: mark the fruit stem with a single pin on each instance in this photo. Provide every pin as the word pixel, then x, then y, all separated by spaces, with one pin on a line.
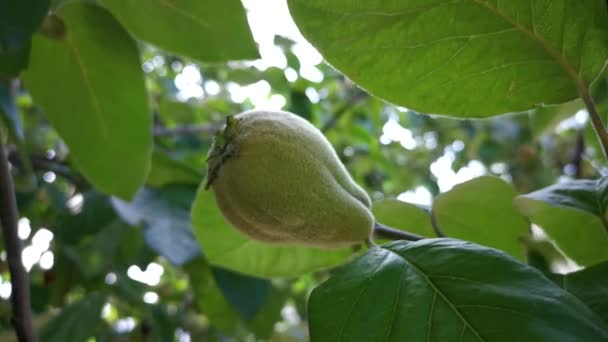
pixel 387 232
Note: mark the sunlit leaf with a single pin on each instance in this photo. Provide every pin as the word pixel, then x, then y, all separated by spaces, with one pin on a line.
pixel 572 215
pixel 405 216
pixel 468 58
pixel 210 31
pixel 481 210
pixel 166 170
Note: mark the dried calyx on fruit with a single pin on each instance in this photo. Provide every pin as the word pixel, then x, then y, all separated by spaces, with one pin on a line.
pixel 277 179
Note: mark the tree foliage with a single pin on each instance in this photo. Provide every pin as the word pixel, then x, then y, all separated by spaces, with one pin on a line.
pixel 109 108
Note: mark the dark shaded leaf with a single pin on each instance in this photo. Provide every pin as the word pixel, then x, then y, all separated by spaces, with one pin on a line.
pixel 209 297
pixel 246 294
pixel 444 290
pixel 76 322
pixel 165 213
pixel 590 286
pixel 18 21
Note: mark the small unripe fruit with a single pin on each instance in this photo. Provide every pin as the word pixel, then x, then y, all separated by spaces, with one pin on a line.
pixel 277 179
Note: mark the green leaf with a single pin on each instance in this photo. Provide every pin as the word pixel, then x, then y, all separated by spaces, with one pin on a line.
pixel 571 214
pixel 209 297
pixel 166 215
pixel 162 323
pixel 467 58
pixel 165 170
pixel 264 321
pixel 245 293
pixel 96 213
pixel 91 88
pixel 446 290
pixel 210 31
pixel 76 322
pixel 176 112
pixel 590 286
pixel 13 61
pixel 481 210
pixel 92 256
pixel 405 216
pixel 226 247
pixel 18 20
pixel 546 118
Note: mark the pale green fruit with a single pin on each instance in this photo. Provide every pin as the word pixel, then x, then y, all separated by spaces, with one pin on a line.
pixel 277 179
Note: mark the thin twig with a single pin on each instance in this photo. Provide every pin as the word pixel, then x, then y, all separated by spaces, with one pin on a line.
pixel 335 117
pixel 577 154
pixel 42 163
pixel 596 120
pixel 186 130
pixel 435 224
pixel 387 232
pixel 20 295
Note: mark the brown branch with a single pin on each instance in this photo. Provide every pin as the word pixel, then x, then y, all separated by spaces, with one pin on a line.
pixel 186 130
pixel 20 295
pixel 387 232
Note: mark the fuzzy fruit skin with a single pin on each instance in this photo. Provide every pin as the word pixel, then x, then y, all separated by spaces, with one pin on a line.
pixel 277 179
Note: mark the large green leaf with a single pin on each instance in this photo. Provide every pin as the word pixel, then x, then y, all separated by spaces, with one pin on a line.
pixel 572 215
pixel 470 58
pixel 405 216
pixel 76 322
pixel 227 247
pixel 446 290
pixel 210 31
pixel 90 85
pixel 481 210
pixel 590 286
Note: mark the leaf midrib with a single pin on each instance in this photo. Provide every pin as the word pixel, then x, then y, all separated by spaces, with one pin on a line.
pixel 553 53
pixel 89 87
pixel 179 11
pixel 569 70
pixel 440 293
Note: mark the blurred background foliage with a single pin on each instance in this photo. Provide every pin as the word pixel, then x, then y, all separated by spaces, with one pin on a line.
pixel 137 263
